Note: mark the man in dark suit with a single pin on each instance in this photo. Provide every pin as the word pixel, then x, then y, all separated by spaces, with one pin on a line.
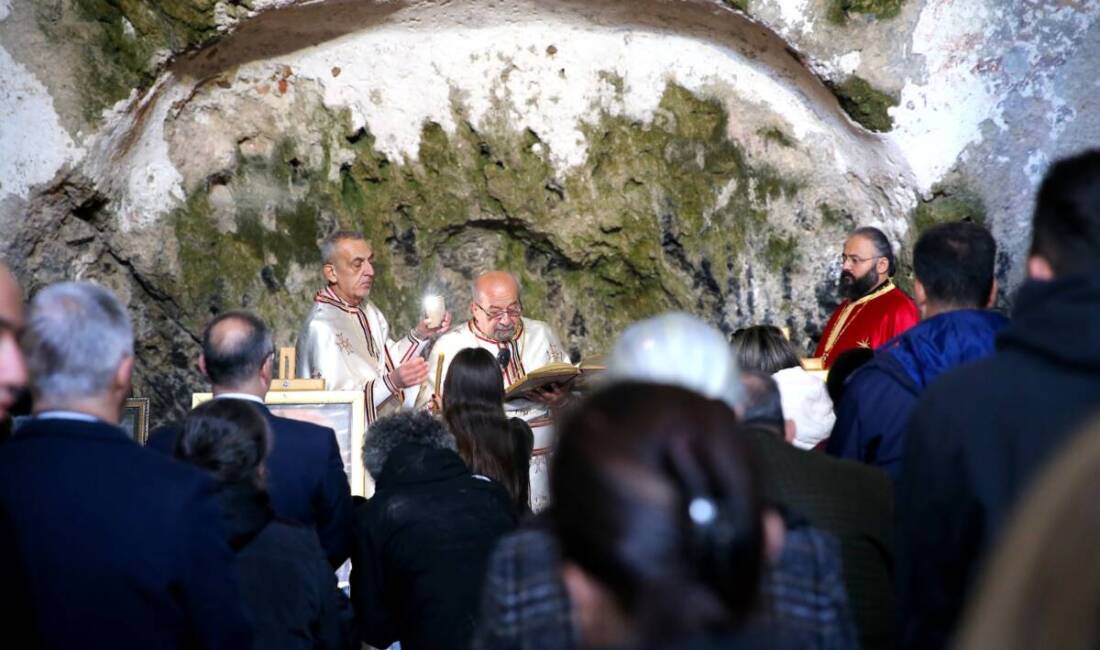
pixel 851 501
pixel 305 472
pixel 103 544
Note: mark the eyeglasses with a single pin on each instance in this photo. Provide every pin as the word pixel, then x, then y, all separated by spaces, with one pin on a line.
pixel 855 260
pixel 495 313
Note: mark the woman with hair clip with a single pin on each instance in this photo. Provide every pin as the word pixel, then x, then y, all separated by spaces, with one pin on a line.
pixel 287 584
pixel 662 529
pixel 492 444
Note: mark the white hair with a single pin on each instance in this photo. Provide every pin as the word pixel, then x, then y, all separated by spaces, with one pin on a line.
pixel 678 349
pixel 77 335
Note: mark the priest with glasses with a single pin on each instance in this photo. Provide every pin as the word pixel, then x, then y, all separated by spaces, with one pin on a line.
pixel 520 345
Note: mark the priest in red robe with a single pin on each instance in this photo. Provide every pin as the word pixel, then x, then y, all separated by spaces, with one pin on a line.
pixel 874 310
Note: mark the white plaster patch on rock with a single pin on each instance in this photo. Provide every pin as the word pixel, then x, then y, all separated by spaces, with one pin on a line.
pixel 795 16
pixel 937 119
pixel 838 68
pixel 545 77
pixel 5 9
pixel 142 178
pixel 849 63
pixel 1036 166
pixel 33 144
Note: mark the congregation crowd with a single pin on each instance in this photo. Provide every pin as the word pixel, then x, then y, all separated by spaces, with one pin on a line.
pixel 706 490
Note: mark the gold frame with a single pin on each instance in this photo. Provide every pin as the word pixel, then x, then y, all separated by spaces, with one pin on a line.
pixel 360 481
pixel 141 417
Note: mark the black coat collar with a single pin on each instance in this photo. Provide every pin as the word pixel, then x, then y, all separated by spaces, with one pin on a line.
pixel 410 463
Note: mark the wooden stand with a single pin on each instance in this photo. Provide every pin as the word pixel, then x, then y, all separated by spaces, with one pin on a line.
pixel 285 380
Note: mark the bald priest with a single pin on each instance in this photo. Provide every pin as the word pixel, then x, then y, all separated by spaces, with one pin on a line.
pixel 520 346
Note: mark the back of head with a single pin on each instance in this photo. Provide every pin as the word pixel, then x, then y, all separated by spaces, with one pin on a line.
pixel 474 378
pixel 764 348
pixel 763 405
pixel 405 427
pixel 1041 590
pixel 848 362
pixel 677 349
pixel 76 337
pixel 473 408
pixel 954 262
pixel 1066 224
pixel 656 499
pixel 881 244
pixel 229 438
pixel 235 345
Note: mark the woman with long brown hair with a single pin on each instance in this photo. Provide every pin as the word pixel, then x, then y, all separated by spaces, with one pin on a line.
pixel 491 444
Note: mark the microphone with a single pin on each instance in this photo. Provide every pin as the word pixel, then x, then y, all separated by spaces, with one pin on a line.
pixel 504 357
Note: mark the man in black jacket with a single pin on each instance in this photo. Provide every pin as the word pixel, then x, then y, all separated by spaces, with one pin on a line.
pixel 102 543
pixel 980 433
pixel 851 501
pixel 305 472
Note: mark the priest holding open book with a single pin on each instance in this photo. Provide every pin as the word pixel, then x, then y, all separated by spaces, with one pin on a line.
pixel 521 346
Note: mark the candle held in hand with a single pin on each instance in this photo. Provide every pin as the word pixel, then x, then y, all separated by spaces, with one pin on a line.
pixel 434 308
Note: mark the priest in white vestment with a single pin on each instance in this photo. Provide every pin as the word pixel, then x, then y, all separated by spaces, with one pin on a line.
pixel 345 339
pixel 520 345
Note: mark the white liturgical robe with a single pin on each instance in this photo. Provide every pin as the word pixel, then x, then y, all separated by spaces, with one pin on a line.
pixel 350 348
pixel 534 346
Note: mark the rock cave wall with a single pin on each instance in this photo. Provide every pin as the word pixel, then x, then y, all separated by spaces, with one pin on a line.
pixel 623 158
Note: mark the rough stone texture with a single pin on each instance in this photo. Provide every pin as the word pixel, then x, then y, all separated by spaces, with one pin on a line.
pixel 622 157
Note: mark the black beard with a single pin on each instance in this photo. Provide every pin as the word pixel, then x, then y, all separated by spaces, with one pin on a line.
pixel 853 288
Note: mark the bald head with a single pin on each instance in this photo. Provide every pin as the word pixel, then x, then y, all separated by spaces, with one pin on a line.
pixel 236 350
pixel 495 307
pixel 13 370
pixel 496 284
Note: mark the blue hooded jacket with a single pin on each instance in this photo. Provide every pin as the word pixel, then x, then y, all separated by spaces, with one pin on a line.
pixel 872 415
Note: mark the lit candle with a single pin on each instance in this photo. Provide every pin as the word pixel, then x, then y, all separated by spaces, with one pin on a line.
pixel 434 308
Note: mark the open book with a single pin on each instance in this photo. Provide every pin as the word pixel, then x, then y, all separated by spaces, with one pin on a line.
pixel 552 373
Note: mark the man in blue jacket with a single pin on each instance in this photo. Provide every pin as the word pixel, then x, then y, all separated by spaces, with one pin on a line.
pixel 981 433
pixel 102 543
pixel 953 263
pixel 305 472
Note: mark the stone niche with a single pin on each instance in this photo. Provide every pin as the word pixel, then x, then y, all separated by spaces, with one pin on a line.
pixel 623 158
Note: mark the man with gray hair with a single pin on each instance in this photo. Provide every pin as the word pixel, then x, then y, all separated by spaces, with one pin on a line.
pixel 345 339
pixel 104 544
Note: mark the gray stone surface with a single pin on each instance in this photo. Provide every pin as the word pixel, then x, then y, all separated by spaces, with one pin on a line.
pixel 623 157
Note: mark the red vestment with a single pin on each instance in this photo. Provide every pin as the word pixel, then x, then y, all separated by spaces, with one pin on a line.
pixel 867 322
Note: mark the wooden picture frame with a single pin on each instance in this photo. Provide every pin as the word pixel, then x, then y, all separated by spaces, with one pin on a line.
pixel 135 419
pixel 343 411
